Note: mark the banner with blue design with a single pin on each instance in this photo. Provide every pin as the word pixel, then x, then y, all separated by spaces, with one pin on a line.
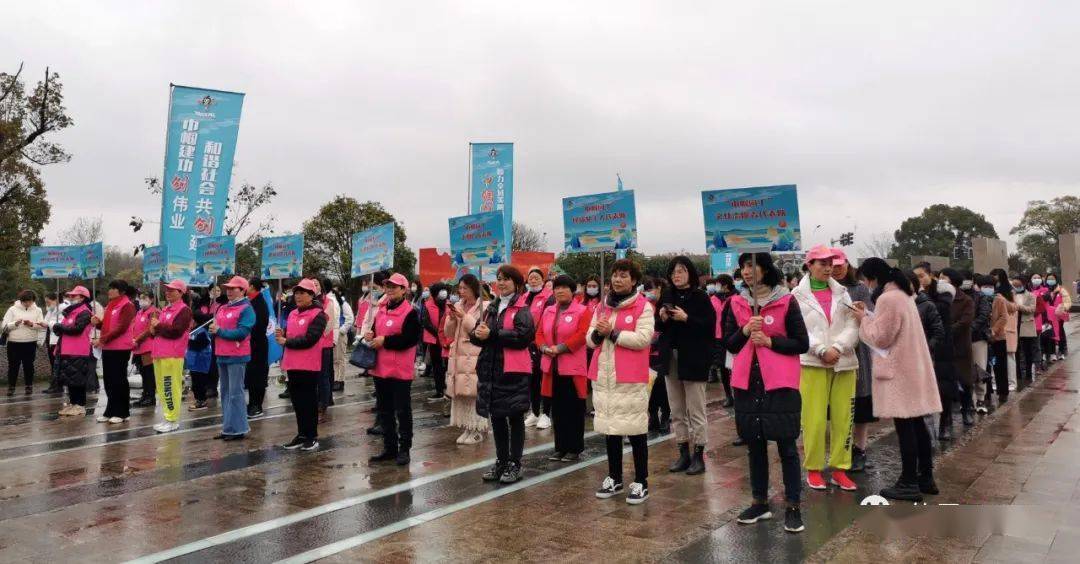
pixel 214 256
pixel 478 239
pixel 93 261
pixel 57 262
pixel 154 263
pixel 491 184
pixel 373 250
pixel 723 262
pixel 600 222
pixel 283 257
pixel 202 129
pixel 752 217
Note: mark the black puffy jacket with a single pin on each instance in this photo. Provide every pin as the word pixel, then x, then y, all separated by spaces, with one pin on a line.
pixel 499 393
pixel 693 339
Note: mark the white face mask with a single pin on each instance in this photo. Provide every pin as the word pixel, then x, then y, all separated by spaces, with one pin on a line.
pixel 965 285
pixel 1036 282
pixel 144 303
pixel 536 288
pixel 592 291
pixel 442 294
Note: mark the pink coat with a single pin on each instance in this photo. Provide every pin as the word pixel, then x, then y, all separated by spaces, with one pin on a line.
pixel 904 384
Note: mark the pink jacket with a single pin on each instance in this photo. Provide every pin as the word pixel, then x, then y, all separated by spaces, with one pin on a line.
pixel 904 384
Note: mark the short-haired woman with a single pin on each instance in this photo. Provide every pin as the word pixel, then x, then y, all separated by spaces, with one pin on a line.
pixel 23 323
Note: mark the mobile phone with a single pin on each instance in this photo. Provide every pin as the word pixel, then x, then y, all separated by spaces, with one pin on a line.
pixel 851 307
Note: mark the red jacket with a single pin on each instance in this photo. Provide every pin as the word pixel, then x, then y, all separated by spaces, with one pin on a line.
pixel 574 341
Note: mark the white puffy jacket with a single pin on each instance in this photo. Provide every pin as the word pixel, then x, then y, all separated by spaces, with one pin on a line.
pixel 841 334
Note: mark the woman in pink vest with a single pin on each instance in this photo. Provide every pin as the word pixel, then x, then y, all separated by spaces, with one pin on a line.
pixel 505 334
pixel 765 331
pixel 75 362
pixel 171 330
pixel 537 299
pixel 115 343
pixel 231 329
pixel 434 317
pixel 140 347
pixel 302 362
pixel 560 337
pixel 395 334
pixel 462 316
pixel 621 333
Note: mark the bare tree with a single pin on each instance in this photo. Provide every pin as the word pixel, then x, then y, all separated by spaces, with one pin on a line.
pixel 24 122
pixel 242 207
pixel 526 238
pixel 84 231
pixel 879 245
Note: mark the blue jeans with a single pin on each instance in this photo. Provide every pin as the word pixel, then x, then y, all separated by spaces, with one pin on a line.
pixel 233 403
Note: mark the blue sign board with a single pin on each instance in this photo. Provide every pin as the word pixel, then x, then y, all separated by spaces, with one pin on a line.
pixel 477 239
pixel 373 250
pixel 600 222
pixel 154 264
pixel 214 256
pixel 739 218
pixel 283 257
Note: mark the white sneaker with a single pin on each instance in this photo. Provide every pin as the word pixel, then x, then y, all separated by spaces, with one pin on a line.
pixel 461 437
pixel 166 427
pixel 531 420
pixel 543 422
pixel 115 420
pixel 473 438
pixel 102 419
pixel 1012 387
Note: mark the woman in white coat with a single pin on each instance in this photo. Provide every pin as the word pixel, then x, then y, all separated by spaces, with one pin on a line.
pixel 463 312
pixel 829 370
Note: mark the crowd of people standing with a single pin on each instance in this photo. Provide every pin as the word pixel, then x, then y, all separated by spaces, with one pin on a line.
pixel 820 356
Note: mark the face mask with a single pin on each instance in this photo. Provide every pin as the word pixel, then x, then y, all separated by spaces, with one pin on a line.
pixel 442 294
pixel 640 288
pixel 377 293
pixel 739 285
pixel 710 289
pixel 987 291
pixel 144 304
pixel 454 298
pixel 1051 282
pixel 650 296
pixel 1018 289
pixel 425 295
pixel 592 291
pixel 1036 282
pixel 364 289
pixel 414 289
pixel 535 289
pixel 965 285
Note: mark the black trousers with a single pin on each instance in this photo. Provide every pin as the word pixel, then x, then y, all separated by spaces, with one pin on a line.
pixel 256 379
pixel 1026 356
pixel 212 381
pixel 1063 343
pixel 639 446
pixel 326 378
pixel 21 354
pixel 303 391
pixel 999 358
pixel 395 413
pixel 659 409
pixel 1047 346
pixel 77 395
pixel 200 383
pixel 538 402
pixel 114 372
pixel 438 368
pixel 916 452
pixel 509 435
pixel 149 384
pixel 758 451
pixel 567 415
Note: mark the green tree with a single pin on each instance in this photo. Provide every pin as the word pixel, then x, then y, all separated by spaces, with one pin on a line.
pixel 580 266
pixel 936 232
pixel 328 237
pixel 1043 225
pixel 27 120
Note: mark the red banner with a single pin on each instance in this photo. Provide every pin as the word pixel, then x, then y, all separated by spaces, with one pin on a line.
pixel 437 267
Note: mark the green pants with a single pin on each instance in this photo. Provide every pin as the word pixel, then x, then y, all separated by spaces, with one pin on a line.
pixel 828 399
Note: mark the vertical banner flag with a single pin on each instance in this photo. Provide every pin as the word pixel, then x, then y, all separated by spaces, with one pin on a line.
pixel 373 250
pixel 491 184
pixel 56 262
pixel 478 239
pixel 199 147
pixel 723 262
pixel 93 261
pixel 154 263
pixel 283 257
pixel 600 222
pixel 766 216
pixel 214 256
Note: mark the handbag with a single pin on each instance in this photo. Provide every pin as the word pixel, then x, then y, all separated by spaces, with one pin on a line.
pixel 363 356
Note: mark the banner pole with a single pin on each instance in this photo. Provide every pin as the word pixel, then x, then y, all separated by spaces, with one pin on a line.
pixel 279 298
pixel 603 298
pixel 468 182
pixel 753 282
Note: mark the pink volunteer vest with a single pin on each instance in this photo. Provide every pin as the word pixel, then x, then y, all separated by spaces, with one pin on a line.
pixel 718 305
pixel 631 366
pixel 138 326
pixel 536 308
pixel 516 360
pixel 398 365
pixel 170 348
pixel 75 345
pixel 228 317
pixel 436 319
pixel 309 359
pixel 328 339
pixel 565 323
pixel 777 370
pixel 123 342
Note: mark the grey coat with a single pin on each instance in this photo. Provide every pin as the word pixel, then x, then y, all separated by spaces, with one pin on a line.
pixel 861 293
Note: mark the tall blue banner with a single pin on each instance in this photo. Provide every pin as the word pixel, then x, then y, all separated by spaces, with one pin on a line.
pixel 723 262
pixel 491 184
pixel 766 216
pixel 600 222
pixel 283 257
pixel 93 260
pixel 373 250
pixel 56 262
pixel 214 256
pixel 478 239
pixel 154 263
pixel 199 147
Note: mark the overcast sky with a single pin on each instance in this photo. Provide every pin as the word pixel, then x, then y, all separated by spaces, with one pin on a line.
pixel 875 111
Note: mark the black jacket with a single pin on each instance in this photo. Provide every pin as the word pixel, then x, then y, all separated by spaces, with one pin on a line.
pixel 768 415
pixel 933 327
pixel 980 327
pixel 693 339
pixel 501 394
pixel 257 368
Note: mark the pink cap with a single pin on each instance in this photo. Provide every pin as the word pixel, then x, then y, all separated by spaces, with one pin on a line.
pixel 818 253
pixel 177 285
pixel 307 284
pixel 839 256
pixel 79 291
pixel 236 282
pixel 398 279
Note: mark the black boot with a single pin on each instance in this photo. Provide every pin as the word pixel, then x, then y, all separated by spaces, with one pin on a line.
pixel 402 458
pixel 968 418
pixel 683 462
pixel 384 456
pixel 944 433
pixel 697 464
pixel 858 460
pixel 903 491
pixel 375 429
pixel 665 424
pixel 927 484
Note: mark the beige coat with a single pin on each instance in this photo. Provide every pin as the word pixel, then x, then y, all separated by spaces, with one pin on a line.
pixel 621 409
pixel 461 364
pixel 18 332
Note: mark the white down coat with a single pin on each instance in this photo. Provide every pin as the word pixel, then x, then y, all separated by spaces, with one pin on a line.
pixel 621 408
pixel 842 334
